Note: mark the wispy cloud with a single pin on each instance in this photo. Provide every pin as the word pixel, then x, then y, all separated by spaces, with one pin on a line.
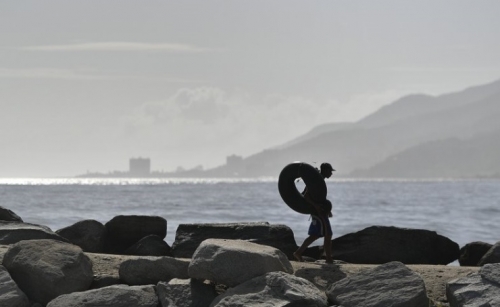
pixel 78 74
pixel 49 73
pixel 423 69
pixel 119 46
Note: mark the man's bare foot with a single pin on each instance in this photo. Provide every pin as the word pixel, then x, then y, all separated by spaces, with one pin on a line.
pixel 298 257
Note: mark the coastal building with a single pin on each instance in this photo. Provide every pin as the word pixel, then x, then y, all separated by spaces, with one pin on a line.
pixel 140 167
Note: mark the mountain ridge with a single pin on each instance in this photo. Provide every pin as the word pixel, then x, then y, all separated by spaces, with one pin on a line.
pixel 406 123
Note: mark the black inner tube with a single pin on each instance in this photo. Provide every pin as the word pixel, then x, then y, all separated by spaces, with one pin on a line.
pixel 313 180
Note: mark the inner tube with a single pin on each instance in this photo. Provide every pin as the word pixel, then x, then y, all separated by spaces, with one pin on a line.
pixel 315 184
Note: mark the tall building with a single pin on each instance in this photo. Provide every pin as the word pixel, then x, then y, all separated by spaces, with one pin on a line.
pixel 140 166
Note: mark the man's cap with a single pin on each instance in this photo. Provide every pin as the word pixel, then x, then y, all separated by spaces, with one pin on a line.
pixel 327 167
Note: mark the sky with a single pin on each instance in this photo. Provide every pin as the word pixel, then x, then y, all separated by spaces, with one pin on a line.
pixel 86 85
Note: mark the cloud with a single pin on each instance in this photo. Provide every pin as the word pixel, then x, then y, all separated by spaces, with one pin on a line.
pixel 420 69
pixel 50 73
pixel 209 121
pixel 120 46
pixel 78 74
pixel 206 124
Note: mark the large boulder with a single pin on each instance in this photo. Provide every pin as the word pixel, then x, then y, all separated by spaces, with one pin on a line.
pixel 90 235
pixel 45 269
pixel 189 236
pixel 112 296
pixel 151 270
pixel 382 244
pixel 126 230
pixel 9 215
pixel 390 284
pixel 479 289
pixel 471 253
pixel 185 293
pixel 10 294
pixel 151 245
pixel 13 232
pixel 491 256
pixel 273 289
pixel 231 262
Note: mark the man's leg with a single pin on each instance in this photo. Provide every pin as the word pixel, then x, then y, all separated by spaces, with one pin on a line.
pixel 298 254
pixel 328 248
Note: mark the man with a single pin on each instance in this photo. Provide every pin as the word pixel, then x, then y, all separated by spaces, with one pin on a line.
pixel 320 224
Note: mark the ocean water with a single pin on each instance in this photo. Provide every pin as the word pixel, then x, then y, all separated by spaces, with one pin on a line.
pixel 462 210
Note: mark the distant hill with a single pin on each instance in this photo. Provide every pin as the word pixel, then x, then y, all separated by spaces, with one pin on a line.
pixel 331 127
pixel 394 129
pixel 450 158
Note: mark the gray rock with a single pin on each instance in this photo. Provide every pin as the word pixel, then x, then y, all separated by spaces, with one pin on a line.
pixel 185 293
pixel 479 289
pixel 90 235
pixel 151 270
pixel 10 294
pixel 112 296
pixel 45 269
pixel 13 232
pixel 189 236
pixel 491 256
pixel 272 289
pixel 231 262
pixel 8 215
pixel 151 245
pixel 382 244
pixel 471 253
pixel 101 281
pixel 390 284
pixel 126 230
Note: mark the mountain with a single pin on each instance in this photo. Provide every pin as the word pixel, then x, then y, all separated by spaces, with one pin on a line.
pixel 330 127
pixel 405 124
pixel 450 158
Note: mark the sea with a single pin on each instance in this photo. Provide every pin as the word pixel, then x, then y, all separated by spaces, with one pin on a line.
pixel 462 210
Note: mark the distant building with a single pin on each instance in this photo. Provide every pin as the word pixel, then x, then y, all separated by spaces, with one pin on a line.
pixel 140 166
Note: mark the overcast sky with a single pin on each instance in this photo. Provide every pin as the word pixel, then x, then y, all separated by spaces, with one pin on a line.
pixel 85 85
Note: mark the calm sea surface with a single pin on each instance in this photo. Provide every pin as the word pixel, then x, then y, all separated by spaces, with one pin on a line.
pixel 462 210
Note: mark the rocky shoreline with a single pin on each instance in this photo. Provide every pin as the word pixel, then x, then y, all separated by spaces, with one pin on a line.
pixel 126 262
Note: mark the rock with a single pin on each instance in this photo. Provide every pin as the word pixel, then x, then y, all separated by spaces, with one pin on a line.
pixel 151 245
pixel 8 215
pixel 45 269
pixel 90 235
pixel 471 253
pixel 382 244
pixel 151 270
pixel 101 281
pixel 479 289
pixel 272 289
pixel 231 262
pixel 112 296
pixel 491 256
pixel 13 232
pixel 10 294
pixel 126 230
pixel 185 293
pixel 390 284
pixel 321 275
pixel 189 236
pixel 313 253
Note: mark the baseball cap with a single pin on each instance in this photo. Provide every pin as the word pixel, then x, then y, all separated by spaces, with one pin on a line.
pixel 327 167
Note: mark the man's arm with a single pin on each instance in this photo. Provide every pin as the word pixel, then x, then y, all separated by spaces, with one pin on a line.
pixel 319 208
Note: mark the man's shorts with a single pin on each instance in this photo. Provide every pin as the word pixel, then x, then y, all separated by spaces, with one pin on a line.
pixel 320 226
